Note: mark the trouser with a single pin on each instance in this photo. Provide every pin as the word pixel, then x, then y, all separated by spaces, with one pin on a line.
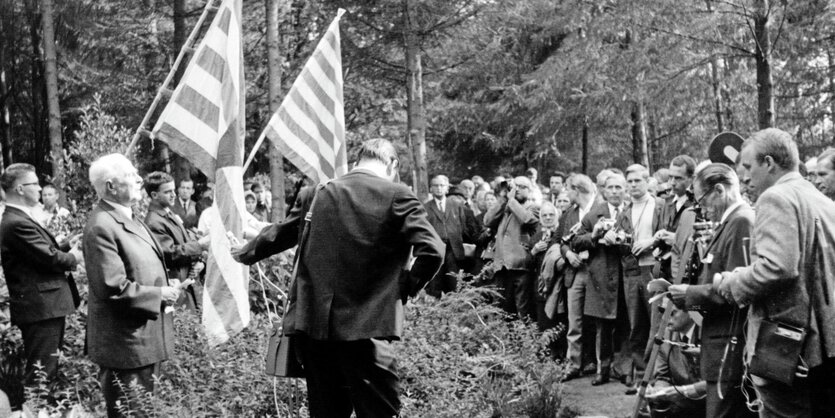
pixel 41 342
pixel 346 376
pixel 638 310
pixel 809 397
pixel 116 387
pixel 443 282
pixel 733 403
pixel 604 345
pixel 557 346
pixel 576 302
pixel 517 290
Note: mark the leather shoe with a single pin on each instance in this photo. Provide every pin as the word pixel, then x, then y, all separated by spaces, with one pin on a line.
pixel 572 374
pixel 631 390
pixel 600 379
pixel 590 368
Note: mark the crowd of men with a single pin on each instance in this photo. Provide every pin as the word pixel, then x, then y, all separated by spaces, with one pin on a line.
pixel 737 255
pixel 713 282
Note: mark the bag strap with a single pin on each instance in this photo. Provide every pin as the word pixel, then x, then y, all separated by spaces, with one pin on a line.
pixel 302 242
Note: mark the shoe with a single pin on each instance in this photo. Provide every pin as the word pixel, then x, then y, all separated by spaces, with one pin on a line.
pixel 627 380
pixel 631 390
pixel 600 379
pixel 590 368
pixel 571 375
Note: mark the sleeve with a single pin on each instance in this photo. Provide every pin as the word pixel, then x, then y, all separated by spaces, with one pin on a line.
pixel 662 366
pixel 175 254
pixel 279 236
pixel 427 247
pixel 776 233
pixel 108 277
pixel 494 216
pixel 39 250
pixel 584 240
pixel 471 228
pixel 525 215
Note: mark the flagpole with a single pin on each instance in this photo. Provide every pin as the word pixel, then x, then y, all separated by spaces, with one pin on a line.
pixel 187 46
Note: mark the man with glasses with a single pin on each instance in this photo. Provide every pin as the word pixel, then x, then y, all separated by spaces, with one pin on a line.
pixel 449 218
pixel 515 220
pixel 41 289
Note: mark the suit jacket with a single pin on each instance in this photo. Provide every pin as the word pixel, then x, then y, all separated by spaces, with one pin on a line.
pixel 624 222
pixel 568 221
pixel 683 245
pixel 515 223
pixel 189 215
pixel 603 264
pixel 350 283
pixel 179 249
pixel 793 265
pixel 36 269
pixel 670 220
pixel 725 254
pixel 451 225
pixel 126 325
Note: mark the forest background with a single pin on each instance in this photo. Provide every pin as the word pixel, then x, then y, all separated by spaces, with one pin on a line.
pixel 462 87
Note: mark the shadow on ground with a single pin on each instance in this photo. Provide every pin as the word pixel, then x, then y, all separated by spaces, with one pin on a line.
pixel 606 400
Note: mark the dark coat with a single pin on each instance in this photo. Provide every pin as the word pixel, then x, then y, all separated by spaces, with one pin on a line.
pixel 179 249
pixel 36 267
pixel 188 215
pixel 454 226
pixel 126 325
pixel 604 267
pixel 568 220
pixel 350 284
pixel 725 254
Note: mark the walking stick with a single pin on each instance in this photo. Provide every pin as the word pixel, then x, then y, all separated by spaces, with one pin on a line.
pixel 649 372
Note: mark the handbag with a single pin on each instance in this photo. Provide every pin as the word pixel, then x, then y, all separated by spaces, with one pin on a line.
pixel 283 357
pixel 777 351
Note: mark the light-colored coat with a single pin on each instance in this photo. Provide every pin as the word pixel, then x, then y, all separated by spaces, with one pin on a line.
pixel 514 224
pixel 793 266
pixel 126 326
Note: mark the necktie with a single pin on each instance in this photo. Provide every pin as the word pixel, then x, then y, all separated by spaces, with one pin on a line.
pixel 142 230
pixel 441 206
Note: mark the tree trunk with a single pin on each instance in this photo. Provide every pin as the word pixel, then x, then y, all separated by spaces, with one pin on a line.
pixel 416 113
pixel 37 89
pixel 274 63
pixel 717 93
pixel 653 149
pixel 585 157
pixel 56 142
pixel 639 135
pixel 181 167
pixel 831 62
pixel 762 56
pixel 726 95
pixel 5 117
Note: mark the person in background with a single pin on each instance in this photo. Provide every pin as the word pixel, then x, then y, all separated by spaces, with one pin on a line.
pixel 563 202
pixel 207 198
pixel 51 210
pixel 264 206
pixel 556 185
pixel 250 202
pixel 662 175
pixel 545 276
pixel 42 292
pixel 536 191
pixel 454 226
pixel 184 207
pixel 824 177
pixel 478 182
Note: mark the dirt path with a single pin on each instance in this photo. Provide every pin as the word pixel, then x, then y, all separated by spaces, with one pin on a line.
pixel 598 401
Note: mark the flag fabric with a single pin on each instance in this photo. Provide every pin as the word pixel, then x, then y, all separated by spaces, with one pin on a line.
pixel 309 126
pixel 204 122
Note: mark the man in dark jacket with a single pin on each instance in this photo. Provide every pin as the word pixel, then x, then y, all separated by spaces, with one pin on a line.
pixel 37 267
pixel 453 223
pixel 182 252
pixel 346 305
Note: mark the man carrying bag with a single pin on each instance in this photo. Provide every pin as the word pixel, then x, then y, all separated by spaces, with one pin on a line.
pixel 346 306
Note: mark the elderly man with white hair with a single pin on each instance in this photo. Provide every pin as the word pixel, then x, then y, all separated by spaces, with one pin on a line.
pixel 128 331
pixel 515 221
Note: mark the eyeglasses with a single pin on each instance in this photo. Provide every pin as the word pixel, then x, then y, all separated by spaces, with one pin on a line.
pixel 29 184
pixel 522 187
pixel 438 185
pixel 699 200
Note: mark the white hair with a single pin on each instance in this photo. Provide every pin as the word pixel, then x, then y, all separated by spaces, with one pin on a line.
pixel 106 168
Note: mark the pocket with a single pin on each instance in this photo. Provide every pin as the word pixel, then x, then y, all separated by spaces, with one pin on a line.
pixel 50 285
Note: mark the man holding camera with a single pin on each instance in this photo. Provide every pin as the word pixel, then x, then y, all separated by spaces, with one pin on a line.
pixel 635 233
pixel 682 169
pixel 604 281
pixel 515 221
pixel 788 285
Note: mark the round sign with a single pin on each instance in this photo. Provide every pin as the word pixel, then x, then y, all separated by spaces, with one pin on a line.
pixel 724 148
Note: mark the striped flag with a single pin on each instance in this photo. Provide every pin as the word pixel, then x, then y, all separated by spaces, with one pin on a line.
pixel 204 122
pixel 309 127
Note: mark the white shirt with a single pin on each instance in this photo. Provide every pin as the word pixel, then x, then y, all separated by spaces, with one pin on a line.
pixel 615 210
pixel 643 211
pixel 441 204
pixel 585 210
pixel 29 211
pixel 680 201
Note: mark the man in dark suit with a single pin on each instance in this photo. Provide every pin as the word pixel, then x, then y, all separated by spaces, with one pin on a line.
pixel 183 206
pixel 604 283
pixel 717 188
pixel 682 168
pixel 128 332
pixel 182 252
pixel 449 218
pixel 638 223
pixel 346 305
pixel 791 275
pixel 41 290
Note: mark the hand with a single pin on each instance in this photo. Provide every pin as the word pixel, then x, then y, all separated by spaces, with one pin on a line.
pixel 170 295
pixel 237 252
pixel 721 284
pixel 641 246
pixel 667 237
pixel 677 293
pixel 610 237
pixel 598 229
pixel 512 193
pixel 573 259
pixel 539 247
pixel 77 253
pixel 204 241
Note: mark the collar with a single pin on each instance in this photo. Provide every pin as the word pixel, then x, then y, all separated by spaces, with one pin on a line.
pixel 439 201
pixel 643 198
pixel 729 210
pixel 367 171
pixel 124 210
pixel 613 208
pixel 690 333
pixel 792 175
pixel 25 209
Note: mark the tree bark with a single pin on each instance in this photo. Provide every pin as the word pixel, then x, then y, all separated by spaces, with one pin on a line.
pixel 653 150
pixel 416 113
pixel 56 142
pixel 181 167
pixel 5 117
pixel 639 135
pixel 41 141
pixel 831 70
pixel 717 93
pixel 762 56
pixel 274 64
pixel 585 157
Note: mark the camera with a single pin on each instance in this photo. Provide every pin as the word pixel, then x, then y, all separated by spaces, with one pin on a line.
pixel 622 238
pixel 607 223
